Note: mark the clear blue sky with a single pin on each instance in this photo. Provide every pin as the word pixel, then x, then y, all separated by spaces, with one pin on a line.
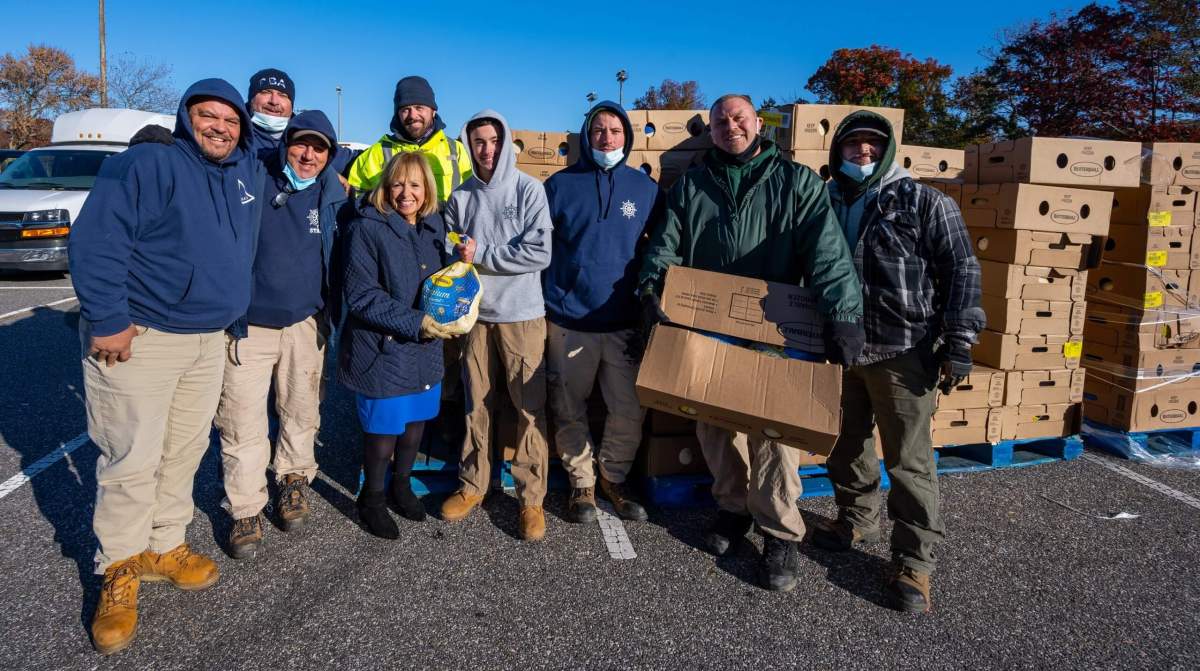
pixel 534 62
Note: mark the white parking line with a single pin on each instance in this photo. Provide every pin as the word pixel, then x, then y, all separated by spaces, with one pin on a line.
pixel 12 484
pixel 1186 499
pixel 31 308
pixel 613 530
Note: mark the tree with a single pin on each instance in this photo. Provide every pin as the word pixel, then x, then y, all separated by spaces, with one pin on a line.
pixel 40 85
pixel 882 77
pixel 672 95
pixel 141 85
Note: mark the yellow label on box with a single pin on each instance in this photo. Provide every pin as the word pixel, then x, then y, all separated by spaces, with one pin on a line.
pixel 1156 259
pixel 1073 350
pixel 776 119
pixel 1153 299
pixel 1159 219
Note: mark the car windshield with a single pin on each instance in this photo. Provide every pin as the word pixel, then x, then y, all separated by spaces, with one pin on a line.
pixel 71 169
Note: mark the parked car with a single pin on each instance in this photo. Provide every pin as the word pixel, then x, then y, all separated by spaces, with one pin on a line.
pixel 8 156
pixel 42 190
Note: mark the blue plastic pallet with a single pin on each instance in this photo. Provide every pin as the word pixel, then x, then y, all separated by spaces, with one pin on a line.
pixel 1140 444
pixel 695 491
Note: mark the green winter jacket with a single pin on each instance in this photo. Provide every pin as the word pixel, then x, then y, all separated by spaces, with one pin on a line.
pixel 783 230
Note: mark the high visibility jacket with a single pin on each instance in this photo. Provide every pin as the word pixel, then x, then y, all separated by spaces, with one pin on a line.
pixel 366 170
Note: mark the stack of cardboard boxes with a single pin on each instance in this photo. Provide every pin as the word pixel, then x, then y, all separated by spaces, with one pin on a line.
pixel 1142 338
pixel 805 132
pixel 543 153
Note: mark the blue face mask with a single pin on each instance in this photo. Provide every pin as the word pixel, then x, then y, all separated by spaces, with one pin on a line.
pixel 294 179
pixel 858 172
pixel 275 124
pixel 607 160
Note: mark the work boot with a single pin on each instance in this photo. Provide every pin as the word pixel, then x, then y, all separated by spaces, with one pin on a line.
pixel 582 506
pixel 780 564
pixel 372 510
pixel 245 538
pixel 293 505
pixel 840 535
pixel 908 591
pixel 727 532
pixel 404 501
pixel 459 505
pixel 115 622
pixel 622 499
pixel 185 569
pixel 532 526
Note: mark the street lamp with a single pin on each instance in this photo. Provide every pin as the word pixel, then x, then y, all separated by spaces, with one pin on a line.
pixel 339 95
pixel 621 77
pixel 591 96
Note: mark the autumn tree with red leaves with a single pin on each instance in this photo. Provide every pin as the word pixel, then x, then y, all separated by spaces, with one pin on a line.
pixel 672 95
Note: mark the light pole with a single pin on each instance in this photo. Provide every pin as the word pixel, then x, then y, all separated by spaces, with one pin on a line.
pixel 339 130
pixel 591 96
pixel 103 62
pixel 621 77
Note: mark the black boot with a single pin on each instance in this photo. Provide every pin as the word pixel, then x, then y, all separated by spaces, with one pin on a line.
pixel 780 564
pixel 727 532
pixel 372 510
pixel 404 501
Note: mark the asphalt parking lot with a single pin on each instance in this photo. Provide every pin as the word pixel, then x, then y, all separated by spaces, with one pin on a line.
pixel 1023 582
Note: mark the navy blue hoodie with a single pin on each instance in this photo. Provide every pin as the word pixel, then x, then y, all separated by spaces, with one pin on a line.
pixel 166 237
pixel 599 217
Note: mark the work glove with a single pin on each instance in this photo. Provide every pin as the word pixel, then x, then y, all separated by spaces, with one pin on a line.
pixel 431 329
pixel 152 133
pixel 844 341
pixel 956 366
pixel 652 314
pixel 635 346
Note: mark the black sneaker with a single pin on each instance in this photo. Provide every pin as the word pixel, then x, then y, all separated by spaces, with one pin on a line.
pixel 622 500
pixel 581 508
pixel 780 564
pixel 246 537
pixel 727 532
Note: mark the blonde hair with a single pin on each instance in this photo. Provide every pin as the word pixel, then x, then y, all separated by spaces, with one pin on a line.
pixel 401 166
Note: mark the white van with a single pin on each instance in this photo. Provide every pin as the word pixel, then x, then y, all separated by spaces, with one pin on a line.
pixel 42 191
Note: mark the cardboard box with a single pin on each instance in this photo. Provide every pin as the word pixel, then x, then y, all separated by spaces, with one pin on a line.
pixel 1121 327
pixel 983 388
pixel 542 172
pixel 697 376
pixel 1138 286
pixel 1006 351
pixel 970 426
pixel 812 126
pixel 931 162
pixel 1034 283
pixel 1040 387
pixel 816 159
pixel 1139 369
pixel 672 455
pixel 1169 247
pixel 540 147
pixel 1014 315
pixel 1168 163
pixel 1034 207
pixel 953 188
pixel 1041 421
pixel 743 307
pixel 1173 406
pixel 664 167
pixel 1154 206
pixel 679 130
pixel 1057 161
pixel 1077 251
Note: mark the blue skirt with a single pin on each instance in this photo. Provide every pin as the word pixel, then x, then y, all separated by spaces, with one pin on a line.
pixel 390 416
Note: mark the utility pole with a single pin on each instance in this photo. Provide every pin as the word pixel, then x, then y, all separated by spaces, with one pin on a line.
pixel 621 77
pixel 103 61
pixel 339 130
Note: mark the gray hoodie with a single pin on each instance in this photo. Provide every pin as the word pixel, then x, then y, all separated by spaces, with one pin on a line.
pixel 510 222
pixel 851 216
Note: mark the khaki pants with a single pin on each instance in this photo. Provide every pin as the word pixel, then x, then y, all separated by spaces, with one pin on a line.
pixel 755 477
pixel 294 358
pixel 575 359
pixel 151 417
pixel 516 351
pixel 899 394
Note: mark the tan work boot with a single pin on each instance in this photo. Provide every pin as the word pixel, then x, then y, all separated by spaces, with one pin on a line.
pixel 292 504
pixel 908 591
pixel 622 498
pixel 459 505
pixel 532 526
pixel 115 622
pixel 185 569
pixel 840 535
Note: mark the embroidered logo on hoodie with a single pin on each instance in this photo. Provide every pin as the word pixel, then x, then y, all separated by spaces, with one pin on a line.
pixel 510 213
pixel 314 222
pixel 628 209
pixel 246 197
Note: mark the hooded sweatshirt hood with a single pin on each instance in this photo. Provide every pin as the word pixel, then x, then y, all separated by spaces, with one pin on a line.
pixel 221 90
pixel 505 173
pixel 310 120
pixel 852 190
pixel 585 140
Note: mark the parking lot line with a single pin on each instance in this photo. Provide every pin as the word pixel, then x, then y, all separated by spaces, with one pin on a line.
pixel 616 540
pixel 31 308
pixel 12 484
pixel 1186 499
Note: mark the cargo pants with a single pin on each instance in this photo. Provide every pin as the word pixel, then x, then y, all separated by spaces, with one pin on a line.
pixel 900 395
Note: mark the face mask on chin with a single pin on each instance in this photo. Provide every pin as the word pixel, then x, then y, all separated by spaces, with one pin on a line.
pixel 607 159
pixel 295 180
pixel 274 124
pixel 858 172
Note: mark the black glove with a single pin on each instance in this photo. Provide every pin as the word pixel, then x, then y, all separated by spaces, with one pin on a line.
pixel 956 366
pixel 652 314
pixel 152 133
pixel 635 346
pixel 844 341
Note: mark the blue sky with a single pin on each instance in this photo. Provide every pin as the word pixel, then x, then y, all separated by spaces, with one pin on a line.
pixel 533 62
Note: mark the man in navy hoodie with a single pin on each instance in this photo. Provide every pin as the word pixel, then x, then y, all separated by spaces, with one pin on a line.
pixel 270 101
pixel 160 258
pixel 282 338
pixel 601 208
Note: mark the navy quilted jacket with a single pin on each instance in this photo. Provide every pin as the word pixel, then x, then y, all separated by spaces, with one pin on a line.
pixel 386 261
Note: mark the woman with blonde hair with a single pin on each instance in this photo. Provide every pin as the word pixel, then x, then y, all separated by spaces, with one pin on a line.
pixel 391 351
